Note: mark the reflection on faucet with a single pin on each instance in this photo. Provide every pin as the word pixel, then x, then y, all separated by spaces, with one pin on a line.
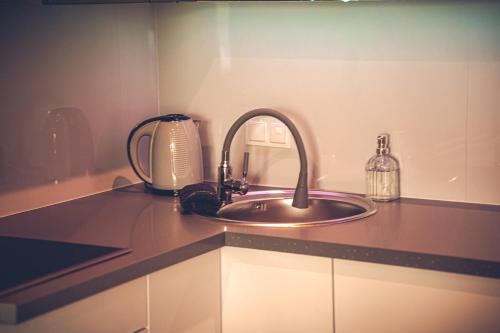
pixel 227 185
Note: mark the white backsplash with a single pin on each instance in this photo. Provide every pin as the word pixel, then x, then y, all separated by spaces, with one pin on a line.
pixel 428 74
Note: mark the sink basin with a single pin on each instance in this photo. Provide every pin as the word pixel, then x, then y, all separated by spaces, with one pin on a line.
pixel 274 209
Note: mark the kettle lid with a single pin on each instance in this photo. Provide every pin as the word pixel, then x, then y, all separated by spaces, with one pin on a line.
pixel 172 117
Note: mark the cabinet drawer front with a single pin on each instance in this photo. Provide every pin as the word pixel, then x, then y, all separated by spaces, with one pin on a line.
pixel 185 297
pixel 121 309
pixel 381 298
pixel 270 292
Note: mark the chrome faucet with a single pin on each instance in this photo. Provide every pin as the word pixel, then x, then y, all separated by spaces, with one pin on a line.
pixel 227 185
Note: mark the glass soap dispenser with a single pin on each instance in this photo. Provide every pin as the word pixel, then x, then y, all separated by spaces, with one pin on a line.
pixel 382 173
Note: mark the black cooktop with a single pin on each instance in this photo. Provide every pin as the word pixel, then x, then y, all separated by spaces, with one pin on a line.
pixel 26 262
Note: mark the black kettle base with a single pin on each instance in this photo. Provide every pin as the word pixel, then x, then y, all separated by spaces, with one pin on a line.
pixel 151 189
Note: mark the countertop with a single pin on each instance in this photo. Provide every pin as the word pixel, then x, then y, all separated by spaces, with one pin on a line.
pixel 447 236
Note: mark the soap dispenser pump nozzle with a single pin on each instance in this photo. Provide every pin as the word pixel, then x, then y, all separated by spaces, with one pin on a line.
pixel 383 144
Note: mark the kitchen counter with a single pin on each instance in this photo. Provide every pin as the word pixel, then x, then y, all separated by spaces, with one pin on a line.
pixel 446 236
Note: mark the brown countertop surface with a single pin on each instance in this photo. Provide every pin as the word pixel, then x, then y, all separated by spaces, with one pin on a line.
pixel 453 237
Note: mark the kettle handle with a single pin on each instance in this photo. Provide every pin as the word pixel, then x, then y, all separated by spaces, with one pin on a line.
pixel 145 128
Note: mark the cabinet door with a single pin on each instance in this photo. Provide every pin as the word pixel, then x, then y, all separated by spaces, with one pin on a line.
pixel 265 291
pixel 380 298
pixel 186 297
pixel 121 309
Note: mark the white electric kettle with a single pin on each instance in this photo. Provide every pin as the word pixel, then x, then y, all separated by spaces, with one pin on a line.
pixel 175 158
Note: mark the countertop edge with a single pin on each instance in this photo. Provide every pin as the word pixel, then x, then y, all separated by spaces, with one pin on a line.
pixel 436 262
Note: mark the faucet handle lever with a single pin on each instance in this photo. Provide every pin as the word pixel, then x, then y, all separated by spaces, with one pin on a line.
pixel 245 164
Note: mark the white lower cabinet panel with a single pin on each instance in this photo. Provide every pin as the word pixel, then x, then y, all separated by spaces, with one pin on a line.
pixel 379 298
pixel 265 291
pixel 121 309
pixel 185 297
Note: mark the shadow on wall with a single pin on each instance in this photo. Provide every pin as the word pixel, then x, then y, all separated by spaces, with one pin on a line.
pixel 50 146
pixel 53 146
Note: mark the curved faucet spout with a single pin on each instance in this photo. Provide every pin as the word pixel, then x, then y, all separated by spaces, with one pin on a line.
pixel 226 183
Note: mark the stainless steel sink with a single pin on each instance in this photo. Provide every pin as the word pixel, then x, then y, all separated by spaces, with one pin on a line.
pixel 281 208
pixel 274 209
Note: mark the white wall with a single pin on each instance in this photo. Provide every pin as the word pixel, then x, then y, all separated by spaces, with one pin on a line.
pixel 429 74
pixel 74 80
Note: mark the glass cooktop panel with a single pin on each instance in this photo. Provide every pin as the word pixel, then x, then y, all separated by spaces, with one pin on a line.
pixel 27 262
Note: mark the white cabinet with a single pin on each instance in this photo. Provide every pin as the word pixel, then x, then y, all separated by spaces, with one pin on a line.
pixel 238 290
pixel 379 298
pixel 264 291
pixel 121 309
pixel 185 297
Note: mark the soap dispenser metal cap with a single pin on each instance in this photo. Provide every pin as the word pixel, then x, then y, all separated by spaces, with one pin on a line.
pixel 383 144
